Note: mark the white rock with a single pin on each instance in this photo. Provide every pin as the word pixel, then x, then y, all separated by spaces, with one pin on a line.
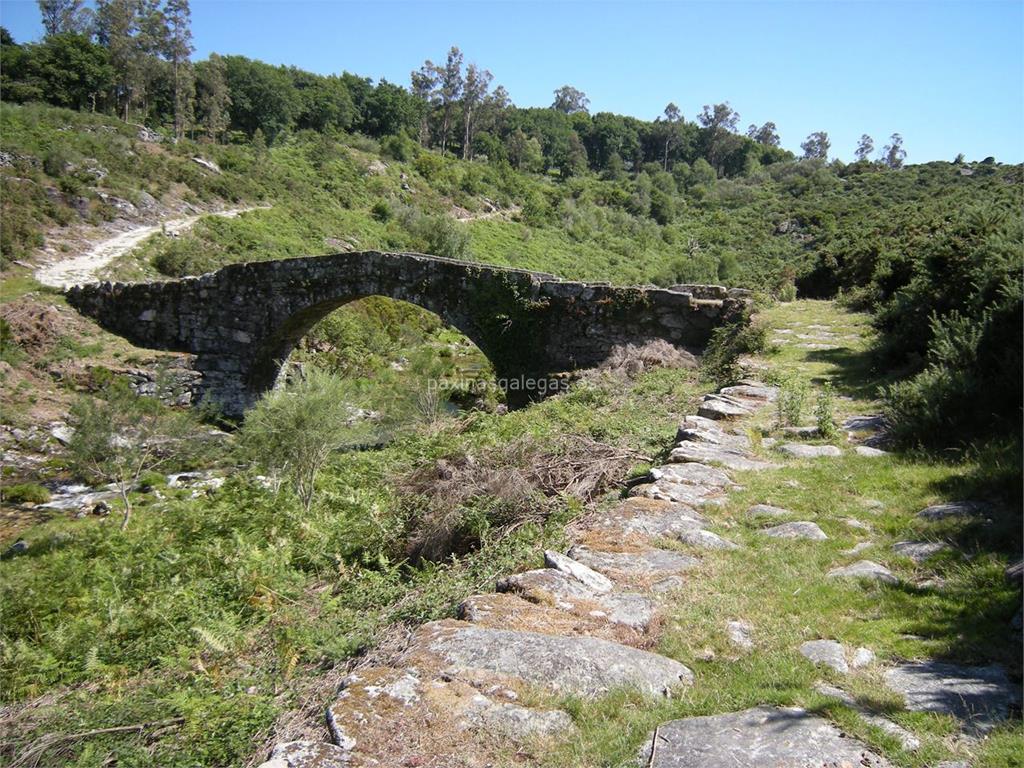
pixel 584 574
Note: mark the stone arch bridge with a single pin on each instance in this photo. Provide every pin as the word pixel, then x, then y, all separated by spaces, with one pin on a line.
pixel 242 321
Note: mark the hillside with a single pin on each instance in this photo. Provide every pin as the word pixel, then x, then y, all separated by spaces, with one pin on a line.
pixel 181 590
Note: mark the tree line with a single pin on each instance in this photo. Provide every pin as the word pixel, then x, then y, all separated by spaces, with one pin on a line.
pixel 132 58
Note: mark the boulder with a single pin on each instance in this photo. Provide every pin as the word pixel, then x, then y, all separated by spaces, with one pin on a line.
pixel 869 452
pixel 722 409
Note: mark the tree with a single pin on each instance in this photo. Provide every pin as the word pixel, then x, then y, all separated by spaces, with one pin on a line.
pixel 120 435
pixel 719 122
pixel 65 16
pixel 865 147
pixel 449 80
pixel 893 155
pixel 262 97
pixel 117 24
pixel 570 100
pixel 670 130
pixel 178 48
pixel 294 429
pixel 571 156
pixel 524 152
pixel 474 90
pixel 767 135
pixel 424 88
pixel 213 99
pixel 816 147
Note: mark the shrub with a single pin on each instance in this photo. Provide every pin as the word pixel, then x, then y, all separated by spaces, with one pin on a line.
pixel 824 414
pixel 293 430
pixel 791 400
pixel 719 363
pixel 25 493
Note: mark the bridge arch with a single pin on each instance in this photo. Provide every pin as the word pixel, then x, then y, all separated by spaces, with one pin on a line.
pixel 530 325
pixel 270 360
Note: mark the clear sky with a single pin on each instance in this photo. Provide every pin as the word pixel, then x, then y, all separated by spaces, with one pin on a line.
pixel 949 76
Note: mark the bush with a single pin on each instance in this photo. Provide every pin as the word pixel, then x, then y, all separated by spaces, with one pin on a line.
pixel 25 493
pixel 184 256
pixel 824 414
pixel 720 362
pixel 791 400
pixel 293 430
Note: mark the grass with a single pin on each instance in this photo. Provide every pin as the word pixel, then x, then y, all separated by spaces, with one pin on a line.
pixel 778 586
pixel 221 610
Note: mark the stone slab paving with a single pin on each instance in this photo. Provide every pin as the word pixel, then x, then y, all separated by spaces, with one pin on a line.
pixel 906 739
pixel 580 626
pixel 583 666
pixel 762 737
pixel 980 697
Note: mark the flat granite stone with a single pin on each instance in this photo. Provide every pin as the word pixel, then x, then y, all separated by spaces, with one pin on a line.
pixel 762 737
pixel 919 551
pixel 706 540
pixel 308 754
pixel 720 409
pixel 798 530
pixel 550 586
pixel 869 452
pixel 826 652
pixel 755 392
pixel 907 739
pixel 652 517
pixel 590 578
pixel 954 509
pixel 649 562
pixel 980 697
pixel 514 721
pixel 864 569
pixel 801 451
pixel 680 493
pixel 739 634
pixel 704 453
pixel 864 423
pixel 767 510
pixel 692 473
pixel 584 666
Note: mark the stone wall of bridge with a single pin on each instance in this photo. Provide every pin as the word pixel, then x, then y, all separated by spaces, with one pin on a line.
pixel 242 321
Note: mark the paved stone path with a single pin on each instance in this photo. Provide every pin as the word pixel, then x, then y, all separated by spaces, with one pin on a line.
pixel 584 623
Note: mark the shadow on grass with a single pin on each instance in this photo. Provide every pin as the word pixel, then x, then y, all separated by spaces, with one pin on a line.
pixel 856 372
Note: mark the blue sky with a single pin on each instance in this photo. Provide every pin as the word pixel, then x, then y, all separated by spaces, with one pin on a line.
pixel 949 76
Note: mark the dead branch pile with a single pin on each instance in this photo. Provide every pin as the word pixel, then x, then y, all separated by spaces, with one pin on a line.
pixel 504 489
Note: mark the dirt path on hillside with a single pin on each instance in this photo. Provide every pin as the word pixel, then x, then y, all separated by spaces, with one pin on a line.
pixel 84 268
